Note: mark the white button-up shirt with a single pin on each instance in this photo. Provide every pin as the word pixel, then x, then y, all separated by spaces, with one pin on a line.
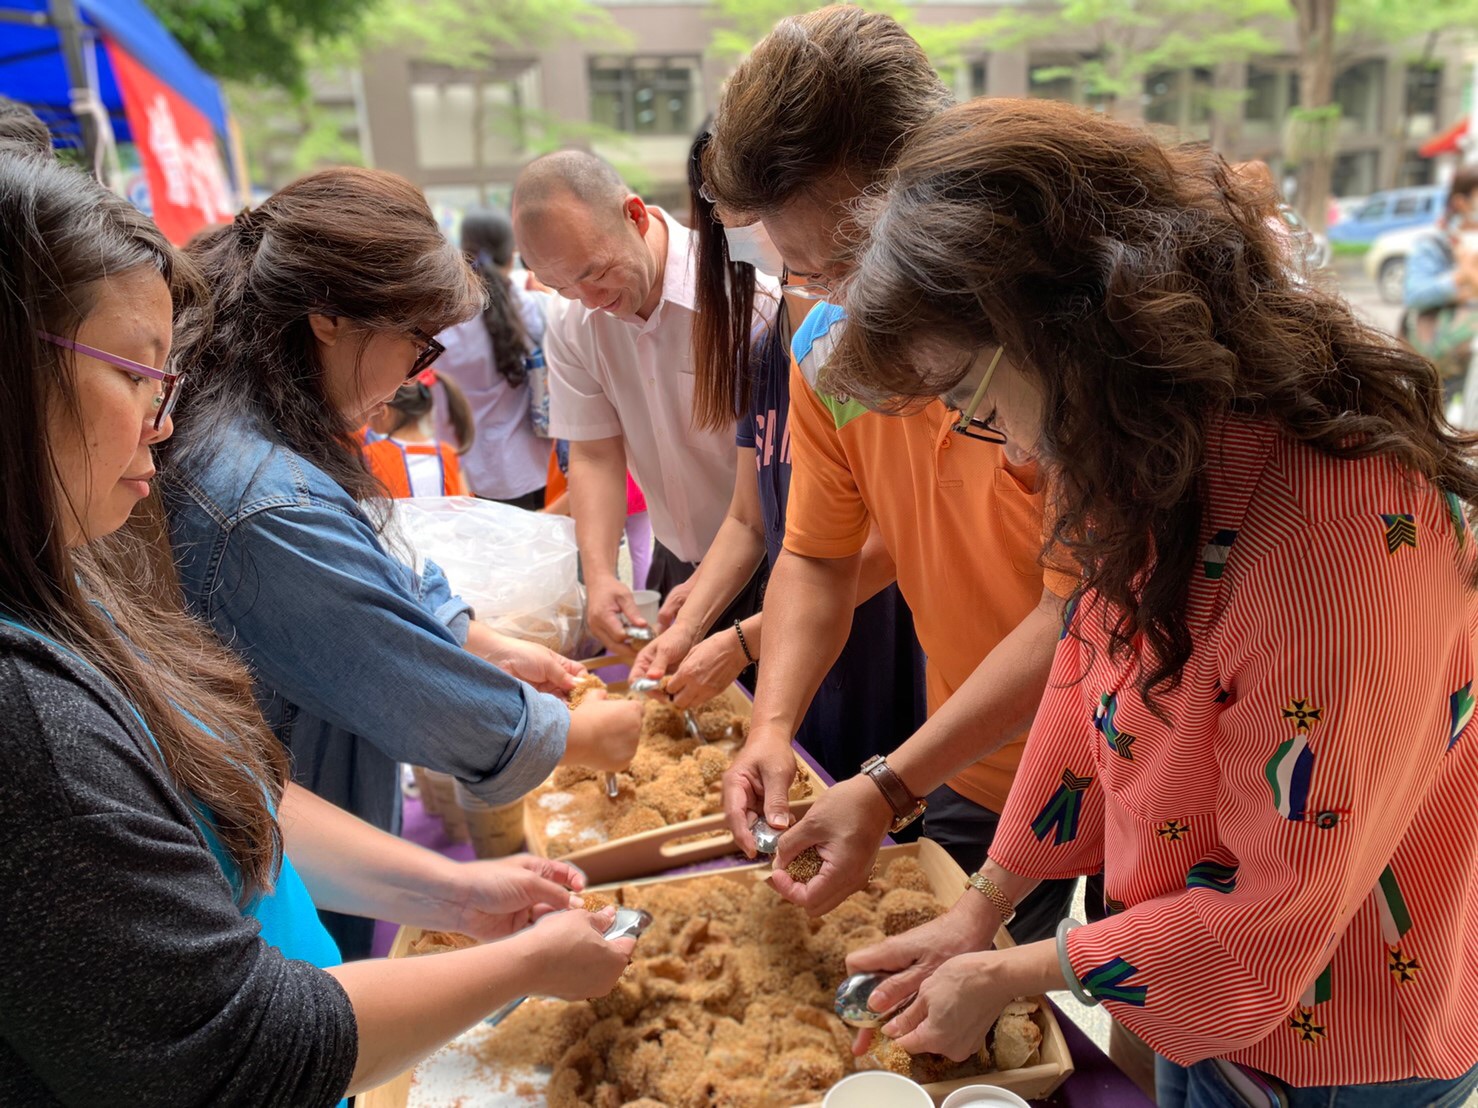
pixel 626 376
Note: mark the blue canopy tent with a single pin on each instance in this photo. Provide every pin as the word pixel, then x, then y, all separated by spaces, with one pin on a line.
pixel 52 59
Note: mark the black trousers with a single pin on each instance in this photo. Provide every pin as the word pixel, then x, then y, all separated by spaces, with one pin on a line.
pixel 529 501
pixel 669 571
pixel 965 830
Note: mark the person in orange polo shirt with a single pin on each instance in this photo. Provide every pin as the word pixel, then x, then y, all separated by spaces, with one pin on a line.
pixel 961 522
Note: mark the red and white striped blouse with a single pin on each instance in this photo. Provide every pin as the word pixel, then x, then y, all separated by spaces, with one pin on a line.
pixel 1292 861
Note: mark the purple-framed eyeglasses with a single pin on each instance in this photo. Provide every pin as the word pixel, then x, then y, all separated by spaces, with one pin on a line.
pixel 164 400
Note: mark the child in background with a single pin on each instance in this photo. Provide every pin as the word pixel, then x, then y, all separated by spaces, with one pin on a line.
pixel 401 447
pixel 638 523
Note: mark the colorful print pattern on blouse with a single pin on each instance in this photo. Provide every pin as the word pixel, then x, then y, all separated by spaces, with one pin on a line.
pixel 1289 846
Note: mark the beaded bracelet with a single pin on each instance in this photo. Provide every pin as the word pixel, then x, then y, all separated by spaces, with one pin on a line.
pixel 1068 973
pixel 743 643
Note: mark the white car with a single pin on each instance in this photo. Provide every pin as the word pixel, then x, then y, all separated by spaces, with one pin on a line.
pixel 1385 262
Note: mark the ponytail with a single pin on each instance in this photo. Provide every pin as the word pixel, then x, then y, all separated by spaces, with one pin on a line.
pixel 413 402
pixel 459 412
pixel 504 323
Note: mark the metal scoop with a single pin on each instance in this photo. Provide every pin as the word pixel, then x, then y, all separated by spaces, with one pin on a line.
pixel 851 1001
pixel 629 923
pixel 766 838
pixel 637 634
pixel 648 686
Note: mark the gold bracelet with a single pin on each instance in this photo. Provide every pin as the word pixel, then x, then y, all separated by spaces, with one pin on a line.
pixel 992 892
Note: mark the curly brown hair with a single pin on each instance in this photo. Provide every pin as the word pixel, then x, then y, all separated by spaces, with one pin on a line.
pixel 1144 291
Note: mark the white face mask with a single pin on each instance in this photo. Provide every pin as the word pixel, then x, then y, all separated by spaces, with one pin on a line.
pixel 752 244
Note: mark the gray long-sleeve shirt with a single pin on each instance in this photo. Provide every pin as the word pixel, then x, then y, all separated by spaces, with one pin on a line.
pixel 129 976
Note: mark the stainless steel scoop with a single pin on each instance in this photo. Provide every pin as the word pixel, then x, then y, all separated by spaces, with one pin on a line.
pixel 628 924
pixel 638 634
pixel 646 685
pixel 851 1001
pixel 766 838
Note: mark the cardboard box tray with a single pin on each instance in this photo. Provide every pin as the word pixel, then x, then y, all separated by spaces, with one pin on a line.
pixel 664 848
pixel 439 1075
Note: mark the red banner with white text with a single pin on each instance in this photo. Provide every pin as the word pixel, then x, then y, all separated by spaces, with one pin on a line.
pixel 182 163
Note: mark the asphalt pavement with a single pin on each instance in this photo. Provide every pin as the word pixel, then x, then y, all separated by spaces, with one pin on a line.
pixel 1348 276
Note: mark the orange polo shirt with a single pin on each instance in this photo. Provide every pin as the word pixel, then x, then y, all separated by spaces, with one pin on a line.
pixel 963 527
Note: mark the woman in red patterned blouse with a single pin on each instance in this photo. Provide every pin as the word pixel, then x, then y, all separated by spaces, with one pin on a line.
pixel 1259 721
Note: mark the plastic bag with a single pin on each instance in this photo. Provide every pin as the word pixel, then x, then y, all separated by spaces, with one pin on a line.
pixel 519 570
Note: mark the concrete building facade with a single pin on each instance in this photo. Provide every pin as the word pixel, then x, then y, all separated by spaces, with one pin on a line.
pixel 638 97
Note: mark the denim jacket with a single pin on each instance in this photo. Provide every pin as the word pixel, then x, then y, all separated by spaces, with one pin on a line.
pixel 358 660
pixel 1431 273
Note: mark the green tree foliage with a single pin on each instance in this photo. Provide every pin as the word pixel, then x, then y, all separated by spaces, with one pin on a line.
pixel 264 42
pixel 1132 39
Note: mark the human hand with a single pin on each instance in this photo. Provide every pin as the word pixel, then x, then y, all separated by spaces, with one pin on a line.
pixel 757 783
pixel 846 824
pixel 710 668
pixel 607 601
pixel 531 663
pixel 574 961
pixel 497 897
pixel 956 1007
pixel 666 651
pixel 913 956
pixel 603 733
pixel 667 614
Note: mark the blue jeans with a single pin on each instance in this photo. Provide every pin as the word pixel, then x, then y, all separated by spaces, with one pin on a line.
pixel 1205 1086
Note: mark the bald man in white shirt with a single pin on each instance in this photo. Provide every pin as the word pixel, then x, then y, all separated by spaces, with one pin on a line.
pixel 621 377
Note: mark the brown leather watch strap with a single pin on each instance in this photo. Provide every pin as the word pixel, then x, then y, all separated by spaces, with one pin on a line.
pixel 894 791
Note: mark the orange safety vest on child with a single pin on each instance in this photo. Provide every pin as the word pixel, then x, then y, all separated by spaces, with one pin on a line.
pixel 409 469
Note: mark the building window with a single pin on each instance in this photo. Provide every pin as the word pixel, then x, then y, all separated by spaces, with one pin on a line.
pixel 966 80
pixel 1265 92
pixel 1416 171
pixel 1162 96
pixel 1423 91
pixel 977 78
pixel 1355 174
pixel 1180 98
pixel 646 95
pixel 468 118
pixel 1357 91
pixel 1060 77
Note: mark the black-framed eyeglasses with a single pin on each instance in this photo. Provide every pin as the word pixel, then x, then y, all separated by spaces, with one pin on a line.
pixel 806 290
pixel 981 429
pixel 429 352
pixel 164 399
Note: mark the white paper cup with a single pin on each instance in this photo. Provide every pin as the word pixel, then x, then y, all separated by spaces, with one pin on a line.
pixel 648 603
pixel 877 1089
pixel 983 1096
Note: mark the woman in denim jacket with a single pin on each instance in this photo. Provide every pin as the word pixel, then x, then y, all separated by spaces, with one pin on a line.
pixel 323 301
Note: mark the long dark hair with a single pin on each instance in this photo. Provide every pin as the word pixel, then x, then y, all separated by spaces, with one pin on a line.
pixel 414 401
pixel 358 243
pixel 487 239
pixel 723 336
pixel 62 235
pixel 1142 290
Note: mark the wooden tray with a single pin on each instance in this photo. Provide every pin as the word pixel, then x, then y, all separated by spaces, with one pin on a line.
pixel 948 880
pixel 663 848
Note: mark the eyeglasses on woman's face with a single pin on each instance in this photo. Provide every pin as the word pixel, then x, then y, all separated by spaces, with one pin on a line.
pixel 164 400
pixel 807 288
pixel 427 355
